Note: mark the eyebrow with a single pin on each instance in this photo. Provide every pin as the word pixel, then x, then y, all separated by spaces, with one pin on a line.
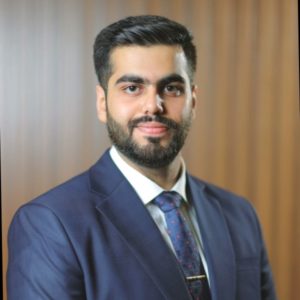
pixel 171 78
pixel 131 78
pixel 140 80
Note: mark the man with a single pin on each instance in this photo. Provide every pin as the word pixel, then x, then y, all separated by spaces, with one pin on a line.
pixel 136 225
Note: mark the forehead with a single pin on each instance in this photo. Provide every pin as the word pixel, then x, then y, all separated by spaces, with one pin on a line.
pixel 151 62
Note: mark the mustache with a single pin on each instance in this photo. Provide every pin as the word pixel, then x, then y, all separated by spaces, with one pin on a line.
pixel 170 124
pixel 160 119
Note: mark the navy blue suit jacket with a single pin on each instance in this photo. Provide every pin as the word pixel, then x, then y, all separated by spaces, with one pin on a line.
pixel 92 238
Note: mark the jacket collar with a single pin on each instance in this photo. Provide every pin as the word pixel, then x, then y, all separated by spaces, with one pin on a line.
pixel 120 204
pixel 217 244
pixel 135 224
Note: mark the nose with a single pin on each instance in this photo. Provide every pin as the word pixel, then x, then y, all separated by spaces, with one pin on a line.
pixel 153 104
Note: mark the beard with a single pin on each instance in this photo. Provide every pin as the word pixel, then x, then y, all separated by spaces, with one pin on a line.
pixel 152 155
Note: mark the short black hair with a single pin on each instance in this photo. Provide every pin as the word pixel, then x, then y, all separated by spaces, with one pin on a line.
pixel 145 30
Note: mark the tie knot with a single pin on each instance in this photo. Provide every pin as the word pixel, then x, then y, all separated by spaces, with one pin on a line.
pixel 167 201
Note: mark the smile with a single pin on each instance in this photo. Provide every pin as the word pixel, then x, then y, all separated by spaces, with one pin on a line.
pixel 152 128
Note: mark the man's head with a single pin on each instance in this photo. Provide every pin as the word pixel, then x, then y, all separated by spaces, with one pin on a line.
pixel 146 96
pixel 146 30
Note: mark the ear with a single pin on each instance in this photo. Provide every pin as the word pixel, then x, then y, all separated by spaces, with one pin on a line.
pixel 101 104
pixel 194 100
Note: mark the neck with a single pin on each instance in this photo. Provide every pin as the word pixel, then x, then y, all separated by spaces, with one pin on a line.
pixel 165 177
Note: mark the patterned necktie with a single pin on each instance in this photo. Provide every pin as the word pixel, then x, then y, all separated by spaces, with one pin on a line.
pixel 184 244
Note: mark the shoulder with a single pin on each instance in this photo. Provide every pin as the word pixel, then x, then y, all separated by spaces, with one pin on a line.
pixel 234 208
pixel 223 196
pixel 66 201
pixel 78 192
pixel 68 193
pixel 55 208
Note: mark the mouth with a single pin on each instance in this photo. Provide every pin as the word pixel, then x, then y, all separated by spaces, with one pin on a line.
pixel 153 129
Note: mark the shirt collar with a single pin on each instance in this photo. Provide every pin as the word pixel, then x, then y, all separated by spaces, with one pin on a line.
pixel 146 189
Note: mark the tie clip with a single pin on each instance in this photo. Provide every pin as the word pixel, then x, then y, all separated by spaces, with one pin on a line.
pixel 197 277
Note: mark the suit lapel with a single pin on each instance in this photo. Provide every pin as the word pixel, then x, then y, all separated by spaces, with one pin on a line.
pixel 217 243
pixel 120 204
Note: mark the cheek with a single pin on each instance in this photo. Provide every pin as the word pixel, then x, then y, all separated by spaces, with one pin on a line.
pixel 177 110
pixel 120 111
pixel 189 106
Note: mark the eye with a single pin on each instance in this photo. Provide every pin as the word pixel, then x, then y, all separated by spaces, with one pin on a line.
pixel 132 89
pixel 173 90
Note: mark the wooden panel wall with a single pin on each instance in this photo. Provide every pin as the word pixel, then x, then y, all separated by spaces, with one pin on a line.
pixel 245 137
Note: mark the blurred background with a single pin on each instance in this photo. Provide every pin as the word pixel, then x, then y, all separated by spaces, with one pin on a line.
pixel 246 134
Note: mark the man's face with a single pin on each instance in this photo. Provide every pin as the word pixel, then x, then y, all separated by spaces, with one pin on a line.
pixel 149 103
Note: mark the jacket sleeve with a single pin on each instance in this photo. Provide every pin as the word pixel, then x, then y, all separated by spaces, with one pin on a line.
pixel 267 283
pixel 42 263
pixel 267 287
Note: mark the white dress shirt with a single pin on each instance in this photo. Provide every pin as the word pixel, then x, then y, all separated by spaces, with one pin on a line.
pixel 147 190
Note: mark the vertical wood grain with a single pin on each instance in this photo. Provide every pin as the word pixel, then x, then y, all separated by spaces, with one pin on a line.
pixel 287 187
pixel 245 137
